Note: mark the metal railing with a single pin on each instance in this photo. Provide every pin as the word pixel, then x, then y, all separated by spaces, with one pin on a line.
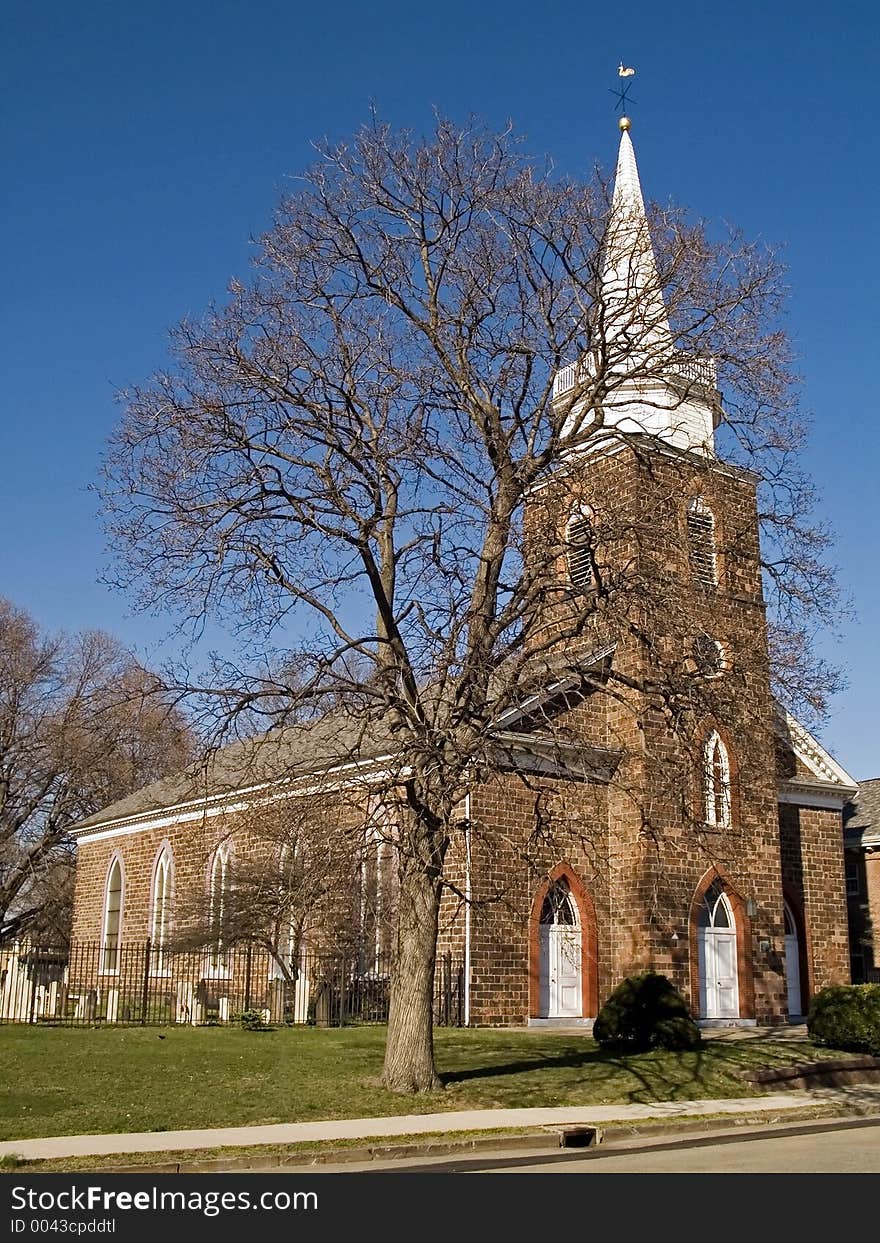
pixel 153 985
pixel 680 368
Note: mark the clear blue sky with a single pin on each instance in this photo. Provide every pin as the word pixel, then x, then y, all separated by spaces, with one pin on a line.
pixel 145 144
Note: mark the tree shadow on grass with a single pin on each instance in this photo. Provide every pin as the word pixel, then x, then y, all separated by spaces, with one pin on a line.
pixel 637 1078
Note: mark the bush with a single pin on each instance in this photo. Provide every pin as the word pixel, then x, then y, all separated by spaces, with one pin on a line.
pixel 847 1016
pixel 253 1020
pixel 645 1012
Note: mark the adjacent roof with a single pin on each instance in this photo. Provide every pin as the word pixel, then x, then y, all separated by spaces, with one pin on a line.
pixel 861 815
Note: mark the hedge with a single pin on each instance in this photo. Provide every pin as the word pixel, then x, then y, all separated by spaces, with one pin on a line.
pixel 847 1016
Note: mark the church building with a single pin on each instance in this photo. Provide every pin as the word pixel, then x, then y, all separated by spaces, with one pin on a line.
pixel 698 833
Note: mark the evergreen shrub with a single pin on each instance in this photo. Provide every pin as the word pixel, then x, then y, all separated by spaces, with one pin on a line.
pixel 645 1012
pixel 847 1016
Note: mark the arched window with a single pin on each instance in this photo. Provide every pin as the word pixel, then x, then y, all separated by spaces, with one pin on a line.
pixel 290 939
pixel 559 907
pixel 375 903
pixel 579 542
pixel 715 911
pixel 701 542
pixel 218 892
pixel 717 782
pixel 160 919
pixel 112 917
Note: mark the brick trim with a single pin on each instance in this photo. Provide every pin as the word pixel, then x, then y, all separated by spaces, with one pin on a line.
pixel 589 942
pixel 744 975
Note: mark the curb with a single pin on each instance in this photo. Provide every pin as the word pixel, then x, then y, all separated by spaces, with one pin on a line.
pixel 601 1142
pixel 829 1073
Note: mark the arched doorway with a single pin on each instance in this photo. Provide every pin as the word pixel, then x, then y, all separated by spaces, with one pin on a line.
pixel 717 957
pixel 560 950
pixel 792 965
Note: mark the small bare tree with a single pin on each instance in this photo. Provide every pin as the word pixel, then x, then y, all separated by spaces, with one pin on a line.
pixel 293 882
pixel 81 724
pixel 343 458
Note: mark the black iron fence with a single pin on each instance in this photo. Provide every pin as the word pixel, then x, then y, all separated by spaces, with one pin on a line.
pixel 140 983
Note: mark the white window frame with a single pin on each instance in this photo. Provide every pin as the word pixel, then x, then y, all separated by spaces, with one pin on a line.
pixel 111 953
pixel 217 967
pixel 722 656
pixel 712 796
pixel 160 916
pixel 275 971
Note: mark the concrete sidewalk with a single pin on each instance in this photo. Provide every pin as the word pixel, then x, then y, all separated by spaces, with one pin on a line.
pixel 858 1099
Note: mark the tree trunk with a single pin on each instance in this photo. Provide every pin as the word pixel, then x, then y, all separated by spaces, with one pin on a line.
pixel 409 1052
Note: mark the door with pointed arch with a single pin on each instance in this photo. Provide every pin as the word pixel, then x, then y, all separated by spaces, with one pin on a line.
pixel 561 943
pixel 717 958
pixel 792 965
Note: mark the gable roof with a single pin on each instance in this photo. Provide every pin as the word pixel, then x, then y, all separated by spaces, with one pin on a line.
pixel 824 783
pixel 346 748
pixel 251 764
pixel 558 681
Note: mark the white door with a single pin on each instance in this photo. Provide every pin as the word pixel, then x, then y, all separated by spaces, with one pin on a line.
pixel 792 965
pixel 717 961
pixel 565 972
pixel 561 991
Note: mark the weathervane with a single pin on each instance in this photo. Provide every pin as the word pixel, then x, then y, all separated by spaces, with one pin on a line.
pixel 625 73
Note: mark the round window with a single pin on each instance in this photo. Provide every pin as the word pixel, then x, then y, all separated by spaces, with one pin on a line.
pixel 709 656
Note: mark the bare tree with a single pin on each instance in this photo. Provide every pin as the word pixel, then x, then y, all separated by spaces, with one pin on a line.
pixel 81 724
pixel 345 456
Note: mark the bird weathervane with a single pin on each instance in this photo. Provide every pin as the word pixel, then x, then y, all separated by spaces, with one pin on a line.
pixel 625 73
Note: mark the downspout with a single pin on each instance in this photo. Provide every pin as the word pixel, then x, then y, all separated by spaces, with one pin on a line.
pixel 467 909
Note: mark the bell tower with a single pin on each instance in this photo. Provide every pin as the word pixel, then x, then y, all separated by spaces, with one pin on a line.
pixel 671 535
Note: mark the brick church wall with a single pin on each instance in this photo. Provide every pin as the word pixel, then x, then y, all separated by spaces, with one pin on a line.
pixel 813 873
pixel 654 854
pixel 193 844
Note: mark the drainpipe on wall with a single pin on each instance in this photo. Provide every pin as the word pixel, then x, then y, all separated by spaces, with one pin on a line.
pixel 467 909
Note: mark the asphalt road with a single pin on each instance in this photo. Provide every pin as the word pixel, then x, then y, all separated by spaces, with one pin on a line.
pixel 851 1151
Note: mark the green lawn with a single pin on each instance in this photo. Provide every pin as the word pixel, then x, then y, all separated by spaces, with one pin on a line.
pixel 63 1081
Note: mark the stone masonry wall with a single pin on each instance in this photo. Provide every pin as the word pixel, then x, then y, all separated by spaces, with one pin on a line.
pixel 813 872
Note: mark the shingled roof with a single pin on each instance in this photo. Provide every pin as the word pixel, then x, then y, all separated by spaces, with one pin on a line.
pixel 861 815
pixel 342 740
pixel 246 764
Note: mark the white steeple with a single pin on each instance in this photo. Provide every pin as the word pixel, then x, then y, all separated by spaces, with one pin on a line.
pixel 653 388
pixel 634 313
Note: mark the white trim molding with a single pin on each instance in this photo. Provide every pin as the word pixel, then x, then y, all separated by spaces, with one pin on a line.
pixel 815 794
pixel 223 804
pixel 811 753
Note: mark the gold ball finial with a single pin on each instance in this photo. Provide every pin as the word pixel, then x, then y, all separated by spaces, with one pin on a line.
pixel 625 123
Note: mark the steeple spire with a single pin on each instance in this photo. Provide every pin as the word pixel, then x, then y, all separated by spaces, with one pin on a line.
pixel 652 388
pixel 633 301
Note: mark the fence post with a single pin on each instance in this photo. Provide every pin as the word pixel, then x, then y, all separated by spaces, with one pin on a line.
pixel 247 977
pixel 145 984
